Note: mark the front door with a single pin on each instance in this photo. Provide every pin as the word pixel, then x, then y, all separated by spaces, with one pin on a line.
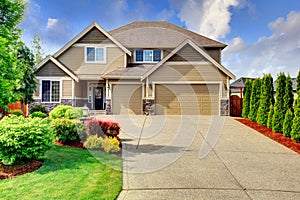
pixel 98 91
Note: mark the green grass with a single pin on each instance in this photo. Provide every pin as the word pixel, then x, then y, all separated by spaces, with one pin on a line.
pixel 68 173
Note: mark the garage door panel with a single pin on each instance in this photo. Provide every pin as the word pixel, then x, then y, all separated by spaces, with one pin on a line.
pixel 127 99
pixel 187 99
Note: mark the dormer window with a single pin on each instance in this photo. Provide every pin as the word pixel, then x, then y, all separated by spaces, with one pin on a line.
pixel 147 56
pixel 95 55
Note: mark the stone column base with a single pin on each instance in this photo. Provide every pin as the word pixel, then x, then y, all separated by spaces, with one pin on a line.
pixel 148 106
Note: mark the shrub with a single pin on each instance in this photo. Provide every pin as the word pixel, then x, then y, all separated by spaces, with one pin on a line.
pixel 74 113
pixel 279 109
pixel 38 108
pixel 63 111
pixel 23 139
pixel 67 130
pixel 111 145
pixel 270 116
pixel 93 142
pixel 38 114
pixel 17 113
pixel 246 99
pixel 255 98
pixel 59 111
pixel 288 123
pixel 266 99
pixel 102 128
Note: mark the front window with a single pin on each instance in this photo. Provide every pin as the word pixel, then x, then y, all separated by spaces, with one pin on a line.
pixel 95 54
pixel 148 55
pixel 50 91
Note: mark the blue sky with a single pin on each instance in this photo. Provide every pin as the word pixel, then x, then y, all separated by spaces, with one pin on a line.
pixel 263 36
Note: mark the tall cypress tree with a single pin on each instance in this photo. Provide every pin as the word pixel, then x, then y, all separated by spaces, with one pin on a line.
pixel 295 133
pixel 254 100
pixel 288 123
pixel 246 98
pixel 288 96
pixel 266 99
pixel 270 117
pixel 279 109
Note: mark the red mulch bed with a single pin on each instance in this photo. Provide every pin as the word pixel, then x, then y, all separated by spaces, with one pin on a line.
pixel 278 137
pixel 74 144
pixel 7 171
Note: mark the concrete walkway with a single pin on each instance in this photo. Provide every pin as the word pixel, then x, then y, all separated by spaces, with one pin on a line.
pixel 192 157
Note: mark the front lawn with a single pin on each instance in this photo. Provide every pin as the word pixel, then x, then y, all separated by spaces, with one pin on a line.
pixel 68 173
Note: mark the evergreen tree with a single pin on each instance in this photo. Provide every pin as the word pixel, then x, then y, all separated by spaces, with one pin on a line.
pixel 295 133
pixel 288 123
pixel 266 99
pixel 246 98
pixel 279 109
pixel 270 116
pixel 254 100
pixel 288 96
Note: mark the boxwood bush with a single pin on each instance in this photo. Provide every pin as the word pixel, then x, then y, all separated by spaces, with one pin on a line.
pixel 38 114
pixel 23 139
pixel 67 130
pixel 63 111
pixel 38 108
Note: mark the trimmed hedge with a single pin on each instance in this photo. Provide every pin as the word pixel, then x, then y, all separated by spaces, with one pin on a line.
pixel 38 114
pixel 63 111
pixel 23 139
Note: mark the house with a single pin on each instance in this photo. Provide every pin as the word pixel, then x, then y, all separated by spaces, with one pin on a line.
pixel 237 87
pixel 142 67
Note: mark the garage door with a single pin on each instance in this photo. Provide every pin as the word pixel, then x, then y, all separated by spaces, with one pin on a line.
pixel 127 99
pixel 184 99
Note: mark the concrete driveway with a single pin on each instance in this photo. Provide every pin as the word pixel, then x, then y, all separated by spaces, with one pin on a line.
pixel 201 157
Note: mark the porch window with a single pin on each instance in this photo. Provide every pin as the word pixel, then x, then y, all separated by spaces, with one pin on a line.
pixel 95 54
pixel 50 91
pixel 148 56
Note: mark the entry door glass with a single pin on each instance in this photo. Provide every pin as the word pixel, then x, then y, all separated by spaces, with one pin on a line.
pixel 98 98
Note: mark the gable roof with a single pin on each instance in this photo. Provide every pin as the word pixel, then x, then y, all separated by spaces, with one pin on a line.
pixel 59 65
pixel 197 48
pixel 240 82
pixel 159 34
pixel 85 31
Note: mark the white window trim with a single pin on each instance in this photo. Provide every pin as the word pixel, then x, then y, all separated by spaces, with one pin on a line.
pixel 95 46
pixel 41 89
pixel 134 55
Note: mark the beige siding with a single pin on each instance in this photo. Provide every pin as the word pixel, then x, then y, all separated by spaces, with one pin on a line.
pixel 81 89
pixel 94 36
pixel 187 53
pixel 215 54
pixel 74 58
pixel 187 73
pixel 50 69
pixel 66 89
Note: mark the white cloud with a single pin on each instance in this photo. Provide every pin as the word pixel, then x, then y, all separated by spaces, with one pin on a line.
pixel 209 18
pixel 165 14
pixel 276 53
pixel 52 23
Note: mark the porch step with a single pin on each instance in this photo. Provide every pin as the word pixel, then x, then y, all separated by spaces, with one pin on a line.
pixel 97 112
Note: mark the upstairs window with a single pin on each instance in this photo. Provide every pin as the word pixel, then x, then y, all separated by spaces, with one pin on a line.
pixel 148 56
pixel 95 54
